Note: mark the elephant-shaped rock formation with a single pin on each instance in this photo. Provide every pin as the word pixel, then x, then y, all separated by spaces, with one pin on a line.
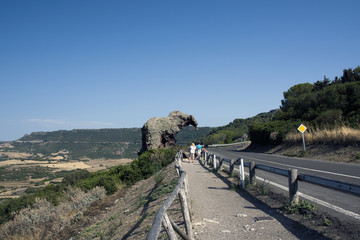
pixel 159 132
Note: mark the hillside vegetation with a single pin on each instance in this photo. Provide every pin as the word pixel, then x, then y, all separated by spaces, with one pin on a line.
pixel 25 211
pixel 236 130
pixel 326 107
pixel 189 134
pixel 326 104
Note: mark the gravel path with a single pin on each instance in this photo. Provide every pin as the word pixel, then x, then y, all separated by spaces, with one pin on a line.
pixel 220 213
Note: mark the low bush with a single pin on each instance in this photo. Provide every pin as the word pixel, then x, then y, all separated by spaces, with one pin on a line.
pixel 271 132
pixel 73 178
pixel 52 193
pixel 303 207
pixel 45 220
pixel 103 180
pixel 147 164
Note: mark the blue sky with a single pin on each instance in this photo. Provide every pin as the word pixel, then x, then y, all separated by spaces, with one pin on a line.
pixel 115 64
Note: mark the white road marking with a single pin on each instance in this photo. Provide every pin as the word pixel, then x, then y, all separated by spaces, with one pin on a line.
pixel 308 169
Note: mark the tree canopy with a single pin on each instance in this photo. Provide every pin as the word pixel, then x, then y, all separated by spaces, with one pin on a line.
pixel 325 103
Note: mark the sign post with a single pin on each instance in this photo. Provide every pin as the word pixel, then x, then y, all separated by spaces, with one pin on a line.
pixel 302 129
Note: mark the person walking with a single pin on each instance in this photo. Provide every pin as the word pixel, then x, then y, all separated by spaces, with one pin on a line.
pixel 192 152
pixel 198 150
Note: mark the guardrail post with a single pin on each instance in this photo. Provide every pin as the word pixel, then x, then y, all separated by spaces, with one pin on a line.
pixel 220 163
pixel 242 173
pixel 293 186
pixel 214 161
pixel 232 162
pixel 252 172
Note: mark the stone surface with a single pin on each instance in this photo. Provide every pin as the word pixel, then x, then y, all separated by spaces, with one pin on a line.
pixel 159 132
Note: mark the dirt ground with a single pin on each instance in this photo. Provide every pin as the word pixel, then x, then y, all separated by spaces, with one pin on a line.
pixel 315 222
pixel 330 227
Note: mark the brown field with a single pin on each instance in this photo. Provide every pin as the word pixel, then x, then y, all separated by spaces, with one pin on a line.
pixel 56 162
pixel 15 154
pixel 100 164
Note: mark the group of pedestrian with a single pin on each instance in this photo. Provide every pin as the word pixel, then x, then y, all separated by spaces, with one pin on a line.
pixel 195 151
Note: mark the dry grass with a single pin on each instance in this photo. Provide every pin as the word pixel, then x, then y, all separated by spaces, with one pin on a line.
pixel 340 135
pixel 45 221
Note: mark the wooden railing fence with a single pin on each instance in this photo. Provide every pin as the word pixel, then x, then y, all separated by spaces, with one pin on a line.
pixel 292 174
pixel 161 218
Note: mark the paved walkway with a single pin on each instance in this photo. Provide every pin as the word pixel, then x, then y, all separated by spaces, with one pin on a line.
pixel 221 213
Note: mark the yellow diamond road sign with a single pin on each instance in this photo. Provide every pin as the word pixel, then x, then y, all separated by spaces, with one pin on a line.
pixel 302 128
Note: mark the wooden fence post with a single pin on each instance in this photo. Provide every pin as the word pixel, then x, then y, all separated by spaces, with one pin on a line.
pixel 220 163
pixel 186 213
pixel 187 191
pixel 168 227
pixel 179 231
pixel 252 172
pixel 293 186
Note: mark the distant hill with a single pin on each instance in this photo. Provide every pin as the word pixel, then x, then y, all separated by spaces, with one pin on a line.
pixel 189 134
pixel 95 143
pixel 87 135
pixel 91 143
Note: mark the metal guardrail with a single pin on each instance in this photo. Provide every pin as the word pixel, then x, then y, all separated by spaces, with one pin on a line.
pixel 228 144
pixel 293 176
pixel 161 217
pixel 334 184
pixel 275 170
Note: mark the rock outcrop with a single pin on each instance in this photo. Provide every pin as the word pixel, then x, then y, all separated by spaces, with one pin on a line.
pixel 159 132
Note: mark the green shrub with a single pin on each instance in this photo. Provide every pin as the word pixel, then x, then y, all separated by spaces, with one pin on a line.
pixel 303 207
pixel 146 165
pixel 271 132
pixel 103 180
pixel 52 193
pixel 74 177
pixel 327 222
pixel 46 221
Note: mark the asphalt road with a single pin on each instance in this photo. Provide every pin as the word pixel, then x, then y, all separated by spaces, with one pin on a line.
pixel 341 204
